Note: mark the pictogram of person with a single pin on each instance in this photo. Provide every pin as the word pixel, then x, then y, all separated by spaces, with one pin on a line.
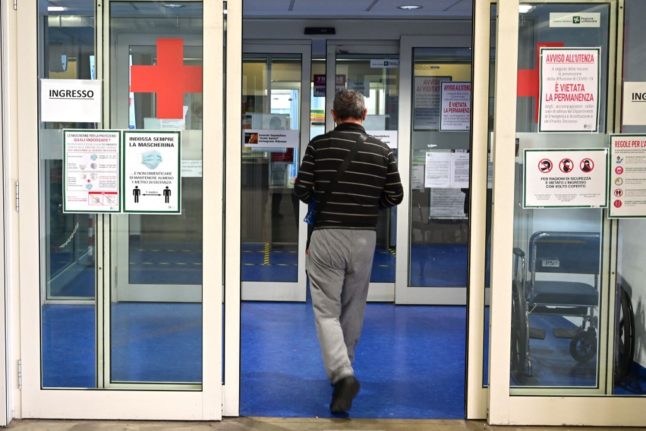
pixel 167 193
pixel 136 192
pixel 567 165
pixel 587 165
pixel 545 165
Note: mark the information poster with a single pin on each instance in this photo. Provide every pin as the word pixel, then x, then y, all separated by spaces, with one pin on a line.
pixel 91 171
pixel 565 178
pixel 447 203
pixel 446 170
pixel 569 90
pixel 627 176
pixel 151 172
pixel 428 90
pixel 456 106
pixel 264 139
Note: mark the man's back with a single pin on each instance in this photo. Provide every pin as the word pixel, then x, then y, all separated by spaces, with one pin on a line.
pixel 370 181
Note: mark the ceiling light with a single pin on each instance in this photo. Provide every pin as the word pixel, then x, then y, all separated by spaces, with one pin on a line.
pixel 409 7
pixel 172 5
pixel 525 8
pixel 56 9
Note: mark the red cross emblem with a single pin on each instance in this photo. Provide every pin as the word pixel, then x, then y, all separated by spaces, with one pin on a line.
pixel 528 78
pixel 169 78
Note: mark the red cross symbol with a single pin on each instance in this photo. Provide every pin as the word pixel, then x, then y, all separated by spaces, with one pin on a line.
pixel 528 78
pixel 169 78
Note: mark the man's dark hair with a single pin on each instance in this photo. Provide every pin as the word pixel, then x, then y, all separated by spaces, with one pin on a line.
pixel 349 104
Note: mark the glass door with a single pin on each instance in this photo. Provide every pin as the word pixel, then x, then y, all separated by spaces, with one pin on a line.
pixel 555 249
pixel 372 70
pixel 275 128
pixel 434 161
pixel 121 296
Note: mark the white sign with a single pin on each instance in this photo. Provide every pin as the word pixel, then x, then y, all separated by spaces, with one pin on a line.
pixel 456 106
pixel 70 100
pixel 417 177
pixel 565 178
pixel 151 172
pixel 91 171
pixel 569 90
pixel 446 170
pixel 447 203
pixel 428 90
pixel 634 106
pixel 627 176
pixel 388 137
pixel 385 63
pixel 575 19
pixel 256 138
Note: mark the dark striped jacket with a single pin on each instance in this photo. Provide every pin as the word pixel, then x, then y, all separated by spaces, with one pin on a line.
pixel 371 180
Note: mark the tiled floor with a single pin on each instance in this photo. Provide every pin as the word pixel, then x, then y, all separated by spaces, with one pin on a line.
pixel 279 424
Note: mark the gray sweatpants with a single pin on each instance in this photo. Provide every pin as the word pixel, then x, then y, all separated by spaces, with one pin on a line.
pixel 339 264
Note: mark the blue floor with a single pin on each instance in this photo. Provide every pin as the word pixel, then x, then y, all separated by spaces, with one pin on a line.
pixel 410 362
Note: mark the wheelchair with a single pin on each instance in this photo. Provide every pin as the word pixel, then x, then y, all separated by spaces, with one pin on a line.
pixel 558 276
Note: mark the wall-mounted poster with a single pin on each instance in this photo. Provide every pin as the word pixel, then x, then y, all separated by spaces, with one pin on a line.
pixel 446 169
pixel 91 171
pixel 151 172
pixel 627 188
pixel 426 108
pixel 569 89
pixel 565 178
pixel 267 139
pixel 456 106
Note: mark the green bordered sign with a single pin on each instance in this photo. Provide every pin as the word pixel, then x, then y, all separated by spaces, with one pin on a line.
pixel 569 89
pixel 91 182
pixel 565 178
pixel 151 172
pixel 627 184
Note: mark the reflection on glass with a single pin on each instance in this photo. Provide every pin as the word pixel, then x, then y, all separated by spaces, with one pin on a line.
pixel 439 188
pixel 270 152
pixel 557 283
pixel 376 78
pixel 67 264
pixel 156 291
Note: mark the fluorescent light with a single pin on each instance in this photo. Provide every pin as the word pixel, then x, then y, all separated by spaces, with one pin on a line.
pixel 409 7
pixel 172 5
pixel 524 8
pixel 56 9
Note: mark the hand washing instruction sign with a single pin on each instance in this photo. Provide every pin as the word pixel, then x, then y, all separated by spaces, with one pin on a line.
pixel 627 176
pixel 569 90
pixel 91 171
pixel 565 178
pixel 151 172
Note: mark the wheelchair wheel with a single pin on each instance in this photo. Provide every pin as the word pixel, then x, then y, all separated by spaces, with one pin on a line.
pixel 519 334
pixel 624 336
pixel 583 346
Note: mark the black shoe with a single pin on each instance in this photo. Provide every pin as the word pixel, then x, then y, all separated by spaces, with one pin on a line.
pixel 344 392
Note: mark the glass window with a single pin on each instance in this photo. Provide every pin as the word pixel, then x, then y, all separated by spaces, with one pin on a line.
pixel 271 91
pixel 440 142
pixel 68 253
pixel 155 314
pixel 557 289
pixel 377 78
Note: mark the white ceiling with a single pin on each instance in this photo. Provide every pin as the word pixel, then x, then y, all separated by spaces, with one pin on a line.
pixel 356 9
pixel 281 9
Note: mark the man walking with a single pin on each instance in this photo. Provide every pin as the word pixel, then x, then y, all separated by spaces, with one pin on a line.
pixel 347 195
